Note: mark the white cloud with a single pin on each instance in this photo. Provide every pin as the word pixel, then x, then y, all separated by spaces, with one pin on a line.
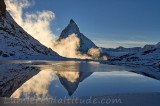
pixel 36 24
pixel 68 47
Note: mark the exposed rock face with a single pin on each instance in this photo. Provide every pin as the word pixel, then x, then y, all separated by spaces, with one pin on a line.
pixel 70 29
pixel 2 8
pixel 85 43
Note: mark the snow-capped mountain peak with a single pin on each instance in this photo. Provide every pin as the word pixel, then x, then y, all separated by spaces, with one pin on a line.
pixel 72 28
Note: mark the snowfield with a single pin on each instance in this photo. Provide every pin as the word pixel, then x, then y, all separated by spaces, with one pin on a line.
pixel 148 57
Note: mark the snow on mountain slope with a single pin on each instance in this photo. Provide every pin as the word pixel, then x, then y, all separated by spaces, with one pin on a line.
pixel 15 43
pixel 85 43
pixel 119 51
pixel 147 47
pixel 148 56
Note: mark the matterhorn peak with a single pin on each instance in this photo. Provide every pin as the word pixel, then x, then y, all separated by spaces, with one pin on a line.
pixel 72 28
pixel 72 21
pixel 73 24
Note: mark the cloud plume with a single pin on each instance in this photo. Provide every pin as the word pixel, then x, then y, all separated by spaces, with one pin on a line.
pixel 36 24
pixel 69 46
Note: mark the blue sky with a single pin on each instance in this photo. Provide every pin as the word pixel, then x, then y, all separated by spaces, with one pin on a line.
pixel 109 23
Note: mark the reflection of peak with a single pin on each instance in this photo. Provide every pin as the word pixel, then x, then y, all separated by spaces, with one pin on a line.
pixel 71 80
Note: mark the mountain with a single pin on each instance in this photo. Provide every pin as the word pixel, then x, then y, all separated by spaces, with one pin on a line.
pixel 119 51
pixel 85 43
pixel 147 47
pixel 149 55
pixel 15 43
pixel 123 49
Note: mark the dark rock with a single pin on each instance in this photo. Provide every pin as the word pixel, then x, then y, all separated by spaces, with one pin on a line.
pixel 1 52
pixel 11 54
pixel 148 51
pixel 2 8
pixel 5 55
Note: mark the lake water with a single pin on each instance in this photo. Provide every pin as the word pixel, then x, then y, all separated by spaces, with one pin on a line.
pixel 41 79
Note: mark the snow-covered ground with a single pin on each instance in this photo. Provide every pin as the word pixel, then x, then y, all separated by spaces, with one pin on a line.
pixel 149 56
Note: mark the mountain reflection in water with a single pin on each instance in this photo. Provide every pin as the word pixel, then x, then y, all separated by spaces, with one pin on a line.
pixel 38 86
pixel 43 79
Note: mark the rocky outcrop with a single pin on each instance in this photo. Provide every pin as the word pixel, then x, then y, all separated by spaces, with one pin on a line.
pixel 2 8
